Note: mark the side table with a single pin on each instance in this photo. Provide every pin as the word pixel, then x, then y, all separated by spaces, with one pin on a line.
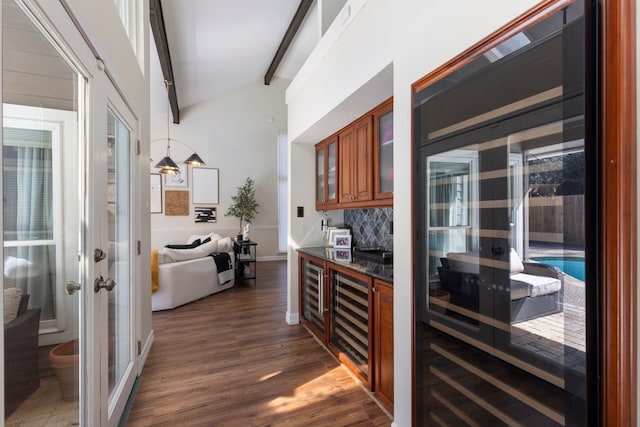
pixel 246 254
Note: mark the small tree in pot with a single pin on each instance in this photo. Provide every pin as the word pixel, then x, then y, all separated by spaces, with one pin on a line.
pixel 244 204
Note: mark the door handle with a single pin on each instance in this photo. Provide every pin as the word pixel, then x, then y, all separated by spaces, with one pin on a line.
pixel 99 255
pixel 100 283
pixel 72 287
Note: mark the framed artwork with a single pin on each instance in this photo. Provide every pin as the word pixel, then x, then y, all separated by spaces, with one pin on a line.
pixel 205 214
pixel 335 232
pixel 342 242
pixel 205 186
pixel 180 180
pixel 176 203
pixel 155 201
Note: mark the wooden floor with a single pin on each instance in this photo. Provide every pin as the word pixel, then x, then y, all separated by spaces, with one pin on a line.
pixel 232 360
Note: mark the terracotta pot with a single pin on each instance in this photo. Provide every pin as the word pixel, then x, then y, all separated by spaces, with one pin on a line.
pixel 64 359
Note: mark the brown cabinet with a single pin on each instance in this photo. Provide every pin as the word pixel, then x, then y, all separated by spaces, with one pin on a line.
pixel 354 168
pixel 383 153
pixel 383 342
pixel 355 178
pixel 351 313
pixel 326 173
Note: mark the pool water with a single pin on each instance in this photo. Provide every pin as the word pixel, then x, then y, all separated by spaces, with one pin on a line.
pixel 572 266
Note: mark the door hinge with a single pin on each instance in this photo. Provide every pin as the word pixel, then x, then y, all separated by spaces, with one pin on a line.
pixel 139 347
pixel 138 147
pixel 139 244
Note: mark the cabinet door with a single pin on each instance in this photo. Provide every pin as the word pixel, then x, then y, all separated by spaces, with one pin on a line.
pixel 383 151
pixel 331 173
pixel 321 176
pixel 345 166
pixel 349 336
pixel 362 174
pixel 356 156
pixel 313 295
pixel 383 342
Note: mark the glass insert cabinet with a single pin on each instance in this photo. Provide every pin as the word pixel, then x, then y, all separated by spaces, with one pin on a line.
pixel 505 284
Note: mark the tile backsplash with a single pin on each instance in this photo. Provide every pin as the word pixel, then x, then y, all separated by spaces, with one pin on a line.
pixel 370 227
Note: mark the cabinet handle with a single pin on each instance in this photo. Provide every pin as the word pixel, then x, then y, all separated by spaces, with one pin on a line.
pixel 320 291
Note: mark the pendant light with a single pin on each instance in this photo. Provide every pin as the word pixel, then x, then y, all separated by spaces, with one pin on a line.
pixel 167 166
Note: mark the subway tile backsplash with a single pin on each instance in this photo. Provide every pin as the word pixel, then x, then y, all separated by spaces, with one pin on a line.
pixel 370 227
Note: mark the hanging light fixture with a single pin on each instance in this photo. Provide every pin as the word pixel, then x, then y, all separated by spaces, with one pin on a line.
pixel 167 166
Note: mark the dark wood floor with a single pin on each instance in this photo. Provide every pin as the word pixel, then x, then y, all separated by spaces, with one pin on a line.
pixel 232 360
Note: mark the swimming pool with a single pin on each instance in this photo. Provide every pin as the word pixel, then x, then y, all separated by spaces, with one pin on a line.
pixel 573 266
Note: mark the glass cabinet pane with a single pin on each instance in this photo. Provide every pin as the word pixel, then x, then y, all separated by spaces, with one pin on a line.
pixel 350 318
pixel 385 166
pixel 331 171
pixel 312 294
pixel 320 174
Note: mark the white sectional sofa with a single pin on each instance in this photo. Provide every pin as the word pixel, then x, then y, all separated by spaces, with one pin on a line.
pixel 188 274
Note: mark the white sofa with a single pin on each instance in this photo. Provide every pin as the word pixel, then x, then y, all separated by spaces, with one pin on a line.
pixel 185 275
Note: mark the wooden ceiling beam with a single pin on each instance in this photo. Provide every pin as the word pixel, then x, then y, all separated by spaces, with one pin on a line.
pixel 162 46
pixel 303 8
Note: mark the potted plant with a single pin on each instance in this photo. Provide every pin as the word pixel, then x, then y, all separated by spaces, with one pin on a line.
pixel 244 204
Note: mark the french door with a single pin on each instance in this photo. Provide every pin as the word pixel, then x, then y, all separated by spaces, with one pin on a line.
pixel 70 191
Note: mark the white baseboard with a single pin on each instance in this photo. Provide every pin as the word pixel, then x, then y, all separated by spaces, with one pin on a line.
pixel 146 349
pixel 292 318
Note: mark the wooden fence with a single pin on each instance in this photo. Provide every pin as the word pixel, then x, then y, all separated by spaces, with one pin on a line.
pixel 557 219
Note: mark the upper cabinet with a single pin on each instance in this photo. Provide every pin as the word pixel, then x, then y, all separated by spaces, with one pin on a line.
pixel 326 173
pixel 383 151
pixel 354 168
pixel 355 178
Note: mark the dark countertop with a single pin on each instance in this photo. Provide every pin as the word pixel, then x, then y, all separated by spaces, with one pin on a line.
pixel 374 269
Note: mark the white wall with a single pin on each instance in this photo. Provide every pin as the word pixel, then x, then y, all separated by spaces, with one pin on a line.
pixel 237 134
pixel 349 77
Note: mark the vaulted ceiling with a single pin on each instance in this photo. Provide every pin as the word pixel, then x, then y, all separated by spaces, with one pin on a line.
pixel 217 46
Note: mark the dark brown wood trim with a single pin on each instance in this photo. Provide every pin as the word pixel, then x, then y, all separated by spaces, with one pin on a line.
pixel 532 16
pixel 303 8
pixel 156 20
pixel 619 203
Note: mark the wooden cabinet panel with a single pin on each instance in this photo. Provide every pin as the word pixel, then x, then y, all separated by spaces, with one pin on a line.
pixel 327 173
pixel 383 342
pixel 383 153
pixel 356 163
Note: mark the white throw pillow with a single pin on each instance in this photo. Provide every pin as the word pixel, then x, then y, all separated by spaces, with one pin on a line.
pixel 515 262
pixel 12 298
pixel 225 244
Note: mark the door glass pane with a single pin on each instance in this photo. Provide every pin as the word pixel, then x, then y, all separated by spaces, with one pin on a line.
pixel 42 226
pixel 119 254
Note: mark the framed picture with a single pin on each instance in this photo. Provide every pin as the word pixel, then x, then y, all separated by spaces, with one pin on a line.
pixel 178 181
pixel 334 232
pixel 155 201
pixel 343 255
pixel 342 241
pixel 205 214
pixel 205 186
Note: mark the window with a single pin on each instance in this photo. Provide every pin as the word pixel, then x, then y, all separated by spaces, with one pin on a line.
pixel 283 194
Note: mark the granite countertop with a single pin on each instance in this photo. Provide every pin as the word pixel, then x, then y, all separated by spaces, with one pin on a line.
pixel 374 269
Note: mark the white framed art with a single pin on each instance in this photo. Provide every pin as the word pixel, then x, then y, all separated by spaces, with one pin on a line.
pixel 205 186
pixel 180 180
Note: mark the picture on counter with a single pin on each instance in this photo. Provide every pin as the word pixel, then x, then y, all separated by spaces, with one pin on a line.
pixel 343 255
pixel 335 232
pixel 343 242
pixel 205 214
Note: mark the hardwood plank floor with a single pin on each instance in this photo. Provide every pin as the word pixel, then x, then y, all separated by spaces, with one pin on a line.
pixel 231 360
